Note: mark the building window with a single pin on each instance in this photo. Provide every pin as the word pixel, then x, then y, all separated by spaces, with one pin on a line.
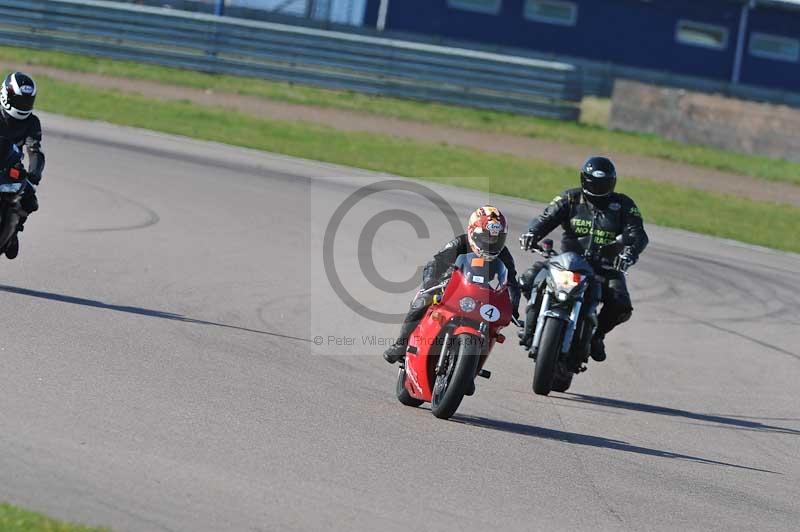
pixel 699 34
pixel 491 7
pixel 774 47
pixel 552 12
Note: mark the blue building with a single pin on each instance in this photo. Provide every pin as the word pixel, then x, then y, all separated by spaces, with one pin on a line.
pixel 753 42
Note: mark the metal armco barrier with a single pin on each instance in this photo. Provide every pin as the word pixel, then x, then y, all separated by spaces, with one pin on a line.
pixel 298 54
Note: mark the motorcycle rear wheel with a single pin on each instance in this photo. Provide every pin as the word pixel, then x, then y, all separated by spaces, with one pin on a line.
pixel 547 356
pixel 461 372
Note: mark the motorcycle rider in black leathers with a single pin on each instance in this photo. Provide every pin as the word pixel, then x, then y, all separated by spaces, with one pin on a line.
pixel 486 237
pixel 592 216
pixel 22 127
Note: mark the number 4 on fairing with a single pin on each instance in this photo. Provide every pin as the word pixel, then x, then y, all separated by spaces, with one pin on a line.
pixel 490 313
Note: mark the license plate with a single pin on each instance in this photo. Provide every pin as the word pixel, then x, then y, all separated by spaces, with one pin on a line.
pixel 10 187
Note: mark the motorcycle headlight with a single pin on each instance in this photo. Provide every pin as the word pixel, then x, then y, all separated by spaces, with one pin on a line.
pixel 467 304
pixel 566 280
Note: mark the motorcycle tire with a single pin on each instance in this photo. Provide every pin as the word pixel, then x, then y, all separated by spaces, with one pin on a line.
pixel 547 356
pixel 562 380
pixel 466 349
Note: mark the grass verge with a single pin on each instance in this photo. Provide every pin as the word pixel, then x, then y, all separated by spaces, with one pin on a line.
pixel 663 204
pixel 13 519
pixel 599 139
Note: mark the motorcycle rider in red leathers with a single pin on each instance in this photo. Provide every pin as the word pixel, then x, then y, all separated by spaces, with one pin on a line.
pixel 486 237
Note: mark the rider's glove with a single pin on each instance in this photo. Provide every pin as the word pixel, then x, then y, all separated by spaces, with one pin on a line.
pixel 528 242
pixel 625 260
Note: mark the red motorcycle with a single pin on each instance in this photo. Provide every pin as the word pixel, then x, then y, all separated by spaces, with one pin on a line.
pixel 452 342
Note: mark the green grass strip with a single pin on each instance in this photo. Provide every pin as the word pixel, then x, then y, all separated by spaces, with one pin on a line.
pixel 599 139
pixel 663 204
pixel 14 519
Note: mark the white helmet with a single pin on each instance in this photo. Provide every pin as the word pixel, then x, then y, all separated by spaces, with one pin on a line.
pixel 17 95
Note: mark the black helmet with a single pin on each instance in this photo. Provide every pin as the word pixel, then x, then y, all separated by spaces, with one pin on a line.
pixel 598 176
pixel 17 95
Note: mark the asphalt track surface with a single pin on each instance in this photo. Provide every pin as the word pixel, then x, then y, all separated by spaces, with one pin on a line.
pixel 157 372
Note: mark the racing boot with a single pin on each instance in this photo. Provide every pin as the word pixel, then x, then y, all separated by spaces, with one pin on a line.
pixel 598 352
pixel 397 350
pixel 12 248
pixel 395 353
pixel 526 334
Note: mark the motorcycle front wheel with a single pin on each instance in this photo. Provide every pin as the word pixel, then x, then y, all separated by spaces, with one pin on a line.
pixel 460 368
pixel 562 380
pixel 547 356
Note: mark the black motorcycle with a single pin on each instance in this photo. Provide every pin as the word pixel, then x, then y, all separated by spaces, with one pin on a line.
pixel 12 186
pixel 563 307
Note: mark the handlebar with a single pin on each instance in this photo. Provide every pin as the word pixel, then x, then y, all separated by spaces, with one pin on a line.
pixel 608 251
pixel 546 253
pixel 433 288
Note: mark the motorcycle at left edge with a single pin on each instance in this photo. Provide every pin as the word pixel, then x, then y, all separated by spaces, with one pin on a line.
pixel 13 181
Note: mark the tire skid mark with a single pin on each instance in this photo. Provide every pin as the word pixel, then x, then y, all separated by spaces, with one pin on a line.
pixel 152 216
pixel 733 290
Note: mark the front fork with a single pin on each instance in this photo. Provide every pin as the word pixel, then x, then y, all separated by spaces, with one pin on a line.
pixel 537 334
pixel 571 320
pixel 443 353
pixel 483 333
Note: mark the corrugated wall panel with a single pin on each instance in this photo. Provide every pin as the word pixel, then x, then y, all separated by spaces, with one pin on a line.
pixel 633 33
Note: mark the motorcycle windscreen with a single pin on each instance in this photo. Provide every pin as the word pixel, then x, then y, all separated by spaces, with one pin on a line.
pixel 477 270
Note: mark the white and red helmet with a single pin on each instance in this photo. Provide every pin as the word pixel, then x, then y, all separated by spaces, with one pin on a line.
pixel 17 95
pixel 486 231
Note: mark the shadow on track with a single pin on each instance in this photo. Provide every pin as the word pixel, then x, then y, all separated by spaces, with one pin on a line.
pixel 135 310
pixel 731 421
pixel 588 440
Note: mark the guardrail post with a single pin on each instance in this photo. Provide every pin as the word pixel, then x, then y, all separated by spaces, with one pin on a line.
pixel 740 38
pixel 310 8
pixel 383 11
